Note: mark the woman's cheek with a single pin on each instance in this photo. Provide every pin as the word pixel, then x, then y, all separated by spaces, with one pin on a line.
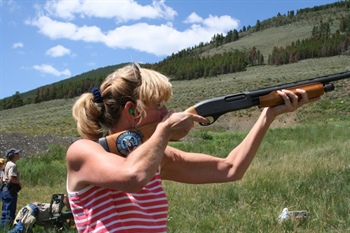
pixel 164 113
pixel 155 116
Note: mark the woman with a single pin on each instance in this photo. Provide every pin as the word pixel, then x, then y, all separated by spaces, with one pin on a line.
pixel 11 187
pixel 111 193
pixel 2 168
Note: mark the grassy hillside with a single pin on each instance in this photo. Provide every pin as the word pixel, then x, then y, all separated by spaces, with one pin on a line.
pixel 265 40
pixel 54 117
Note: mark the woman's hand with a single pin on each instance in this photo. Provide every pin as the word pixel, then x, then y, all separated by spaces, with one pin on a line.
pixel 180 123
pixel 291 101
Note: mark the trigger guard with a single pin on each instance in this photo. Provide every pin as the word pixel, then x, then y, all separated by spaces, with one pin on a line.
pixel 211 120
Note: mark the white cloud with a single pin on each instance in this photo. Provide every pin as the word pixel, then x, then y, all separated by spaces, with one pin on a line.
pixel 58 51
pixel 222 23
pixel 17 45
pixel 122 10
pixel 160 39
pixel 163 10
pixel 49 69
pixel 193 18
pixel 53 29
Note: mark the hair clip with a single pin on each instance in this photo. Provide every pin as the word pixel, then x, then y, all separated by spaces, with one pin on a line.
pixel 97 95
pixel 136 66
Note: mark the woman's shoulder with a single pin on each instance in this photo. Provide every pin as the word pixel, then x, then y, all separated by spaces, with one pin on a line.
pixel 83 148
pixel 79 146
pixel 82 143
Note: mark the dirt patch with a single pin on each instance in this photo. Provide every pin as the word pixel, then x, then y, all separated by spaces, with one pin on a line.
pixel 31 145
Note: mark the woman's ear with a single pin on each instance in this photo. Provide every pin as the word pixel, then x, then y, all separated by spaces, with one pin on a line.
pixel 130 111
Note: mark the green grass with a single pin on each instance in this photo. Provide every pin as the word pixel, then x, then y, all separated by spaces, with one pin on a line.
pixel 301 168
pixel 42 175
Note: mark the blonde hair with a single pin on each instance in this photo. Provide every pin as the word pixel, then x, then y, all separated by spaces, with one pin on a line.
pixel 141 86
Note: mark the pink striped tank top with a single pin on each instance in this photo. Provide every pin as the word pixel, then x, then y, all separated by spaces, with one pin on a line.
pixel 98 209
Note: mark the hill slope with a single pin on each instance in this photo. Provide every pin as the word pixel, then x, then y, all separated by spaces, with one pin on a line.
pixel 52 123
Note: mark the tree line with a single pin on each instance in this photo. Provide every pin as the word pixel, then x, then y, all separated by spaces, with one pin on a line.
pixel 322 44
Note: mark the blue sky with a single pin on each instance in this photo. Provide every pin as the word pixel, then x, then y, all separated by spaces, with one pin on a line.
pixel 43 42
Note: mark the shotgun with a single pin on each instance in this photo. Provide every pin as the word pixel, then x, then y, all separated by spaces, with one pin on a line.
pixel 123 142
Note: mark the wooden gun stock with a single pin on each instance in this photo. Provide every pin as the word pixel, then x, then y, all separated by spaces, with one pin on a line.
pixel 313 90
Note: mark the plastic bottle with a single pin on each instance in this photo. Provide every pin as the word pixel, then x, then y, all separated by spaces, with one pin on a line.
pixel 284 215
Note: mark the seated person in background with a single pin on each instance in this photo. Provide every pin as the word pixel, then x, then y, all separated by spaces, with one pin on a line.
pixel 38 213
